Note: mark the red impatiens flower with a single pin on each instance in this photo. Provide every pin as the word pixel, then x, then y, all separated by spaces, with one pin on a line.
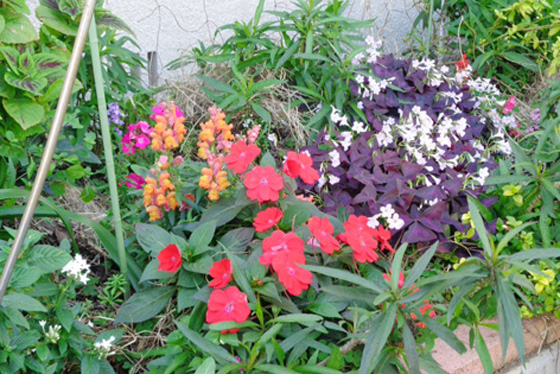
pixel 221 272
pixel 294 278
pixel 281 242
pixel 266 219
pixel 241 156
pixel 301 165
pixel 170 259
pixel 387 277
pixel 227 305
pixel 463 64
pixel 383 236
pixel 361 238
pixel 263 184
pixel 323 231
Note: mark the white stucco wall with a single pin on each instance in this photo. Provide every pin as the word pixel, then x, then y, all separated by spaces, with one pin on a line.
pixel 171 27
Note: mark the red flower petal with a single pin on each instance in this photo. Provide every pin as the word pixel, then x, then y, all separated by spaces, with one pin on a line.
pixel 221 272
pixel 170 259
pixel 267 219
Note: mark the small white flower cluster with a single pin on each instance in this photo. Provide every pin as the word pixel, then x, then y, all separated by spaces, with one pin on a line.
pixel 77 269
pixel 392 218
pixel 372 53
pixel 104 348
pixel 337 117
pixel 52 334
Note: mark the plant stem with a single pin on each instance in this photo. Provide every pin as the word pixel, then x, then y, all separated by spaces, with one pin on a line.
pixel 430 28
pixel 107 146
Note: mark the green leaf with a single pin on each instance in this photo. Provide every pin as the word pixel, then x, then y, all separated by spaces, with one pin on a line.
pixel 535 254
pixel 551 188
pixel 325 310
pixel 25 112
pixel 261 112
pixel 521 60
pixel 343 275
pixel 18 5
pixel 12 56
pixel 2 24
pixel 274 369
pixel 410 350
pixel 88 194
pixel 66 318
pixel 56 20
pixel 419 267
pixel 90 365
pixel 22 302
pixel 17 29
pixel 304 319
pixel 54 90
pixel 267 160
pixel 202 236
pixel 208 367
pixel 287 55
pixel 223 211
pixel 377 338
pixel 24 276
pixel 152 238
pixel 231 325
pixel 510 235
pixel 396 267
pixel 205 345
pixel 144 305
pixel 185 298
pixel 104 18
pixel 217 84
pixel 152 273
pixel 237 240
pixel 314 369
pixel 483 353
pixel 76 171
pixel 445 334
pixel 480 228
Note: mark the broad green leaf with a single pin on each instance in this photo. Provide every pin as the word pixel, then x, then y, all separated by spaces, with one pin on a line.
pixel 56 20
pixel 208 367
pixel 25 112
pixel 551 188
pixel 66 318
pixel 202 236
pixel 185 298
pixel 17 28
pixel 343 275
pixel 90 365
pixel 205 345
pixel 152 273
pixel 231 325
pixel 55 89
pixel 11 55
pixel 223 211
pixel 237 240
pixel 152 238
pixel 325 310
pixel 2 24
pixel 144 305
pixel 22 302
pixel 18 5
pixel 24 276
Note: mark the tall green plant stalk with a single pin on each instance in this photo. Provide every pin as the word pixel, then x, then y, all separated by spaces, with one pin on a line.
pixel 430 28
pixel 107 145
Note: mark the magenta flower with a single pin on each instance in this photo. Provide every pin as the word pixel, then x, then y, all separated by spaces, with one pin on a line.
pixel 510 105
pixel 142 141
pixel 137 137
pixel 135 181
pixel 536 115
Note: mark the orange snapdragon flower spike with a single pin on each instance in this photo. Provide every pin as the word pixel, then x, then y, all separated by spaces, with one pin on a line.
pixel 169 130
pixel 159 194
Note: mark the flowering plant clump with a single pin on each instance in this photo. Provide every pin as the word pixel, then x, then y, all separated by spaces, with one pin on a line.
pixel 426 144
pixel 137 137
pixel 264 261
